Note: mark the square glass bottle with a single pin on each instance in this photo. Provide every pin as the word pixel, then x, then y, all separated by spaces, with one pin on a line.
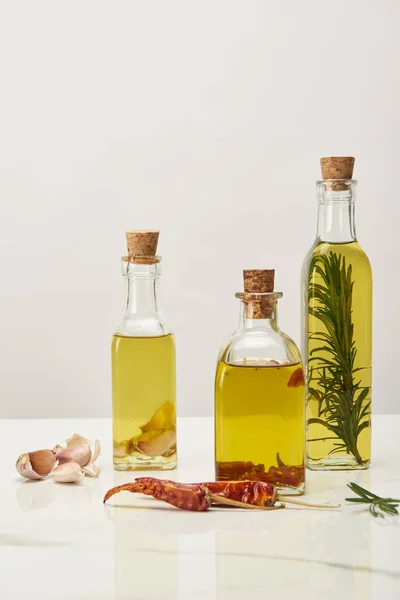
pixel 143 366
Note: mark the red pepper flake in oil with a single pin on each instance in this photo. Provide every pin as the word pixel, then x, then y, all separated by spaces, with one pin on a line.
pixel 297 378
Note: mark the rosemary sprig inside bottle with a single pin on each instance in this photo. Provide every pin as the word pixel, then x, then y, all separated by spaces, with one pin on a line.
pixel 344 405
pixel 377 506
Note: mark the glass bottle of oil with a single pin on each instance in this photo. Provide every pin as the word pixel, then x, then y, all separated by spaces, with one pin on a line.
pixel 337 329
pixel 143 366
pixel 259 395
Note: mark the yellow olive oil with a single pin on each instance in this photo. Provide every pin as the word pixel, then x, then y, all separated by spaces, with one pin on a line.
pixel 259 423
pixel 143 390
pixel 338 350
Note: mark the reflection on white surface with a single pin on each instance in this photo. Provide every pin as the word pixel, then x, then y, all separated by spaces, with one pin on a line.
pixel 137 548
pixel 34 495
pixel 145 563
pixel 223 553
pixel 156 556
pixel 289 555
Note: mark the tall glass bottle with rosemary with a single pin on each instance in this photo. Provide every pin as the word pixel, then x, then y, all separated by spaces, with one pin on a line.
pixel 337 341
pixel 143 366
pixel 259 395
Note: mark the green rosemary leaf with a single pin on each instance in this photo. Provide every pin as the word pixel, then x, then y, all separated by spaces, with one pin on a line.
pixel 389 508
pixel 374 511
pixel 340 448
pixel 362 491
pixel 363 425
pixel 357 489
pixel 378 506
pixel 316 421
pixel 357 500
pixel 324 423
pixel 315 393
pixel 322 439
pixel 363 395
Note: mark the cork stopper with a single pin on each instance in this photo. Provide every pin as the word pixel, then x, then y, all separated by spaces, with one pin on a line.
pixel 337 167
pixel 258 281
pixel 142 246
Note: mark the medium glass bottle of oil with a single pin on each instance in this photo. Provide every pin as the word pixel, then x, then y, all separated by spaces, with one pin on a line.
pixel 337 329
pixel 259 395
pixel 143 366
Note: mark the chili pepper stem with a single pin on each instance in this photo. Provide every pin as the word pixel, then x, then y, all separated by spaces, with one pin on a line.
pixel 288 500
pixel 215 499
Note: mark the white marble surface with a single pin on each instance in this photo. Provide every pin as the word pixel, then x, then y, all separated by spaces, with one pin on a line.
pixel 59 542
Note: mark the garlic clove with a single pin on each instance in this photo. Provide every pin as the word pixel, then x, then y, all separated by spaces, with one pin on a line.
pixel 150 435
pixel 157 445
pixel 91 469
pixel 77 440
pixel 36 465
pixel 96 450
pixel 123 448
pixel 79 454
pixel 70 472
pixel 82 451
pixel 163 418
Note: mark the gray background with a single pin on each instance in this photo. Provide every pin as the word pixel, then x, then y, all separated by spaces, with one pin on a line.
pixel 205 120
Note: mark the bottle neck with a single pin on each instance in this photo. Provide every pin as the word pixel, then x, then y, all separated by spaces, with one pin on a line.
pixel 258 341
pixel 141 316
pixel 336 210
pixel 141 296
pixel 252 318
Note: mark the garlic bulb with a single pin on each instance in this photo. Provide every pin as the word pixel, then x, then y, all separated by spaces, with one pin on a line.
pixel 36 465
pixel 70 472
pixel 78 458
pixel 82 451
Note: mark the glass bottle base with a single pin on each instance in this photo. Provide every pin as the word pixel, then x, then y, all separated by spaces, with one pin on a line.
pixel 282 489
pixel 291 491
pixel 145 463
pixel 288 480
pixel 337 463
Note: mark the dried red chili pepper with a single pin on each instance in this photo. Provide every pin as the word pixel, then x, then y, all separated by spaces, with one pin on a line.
pixel 182 495
pixel 201 496
pixel 280 475
pixel 256 493
pixel 283 475
pixel 297 378
pixel 237 470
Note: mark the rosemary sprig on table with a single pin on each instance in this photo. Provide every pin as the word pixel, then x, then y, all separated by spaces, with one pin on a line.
pixel 377 506
pixel 343 408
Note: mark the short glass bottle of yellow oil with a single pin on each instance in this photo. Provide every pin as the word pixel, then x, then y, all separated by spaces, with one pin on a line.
pixel 143 366
pixel 337 328
pixel 259 395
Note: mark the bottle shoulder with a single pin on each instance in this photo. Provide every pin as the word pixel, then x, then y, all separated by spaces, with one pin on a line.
pixel 352 252
pixel 142 327
pixel 259 344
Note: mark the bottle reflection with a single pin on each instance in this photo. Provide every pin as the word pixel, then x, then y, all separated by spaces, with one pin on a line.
pixel 297 549
pixel 156 557
pixel 347 556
